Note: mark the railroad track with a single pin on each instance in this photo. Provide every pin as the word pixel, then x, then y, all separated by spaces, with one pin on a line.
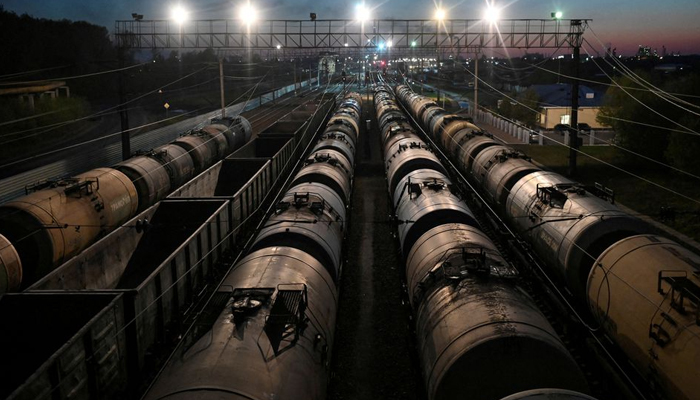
pixel 105 155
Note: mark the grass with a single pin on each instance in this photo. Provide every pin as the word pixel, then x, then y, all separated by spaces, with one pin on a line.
pixel 635 192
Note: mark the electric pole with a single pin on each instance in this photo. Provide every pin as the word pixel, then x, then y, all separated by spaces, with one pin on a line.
pixel 576 37
pixel 123 115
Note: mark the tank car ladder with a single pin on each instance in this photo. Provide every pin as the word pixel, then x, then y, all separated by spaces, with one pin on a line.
pixel 287 316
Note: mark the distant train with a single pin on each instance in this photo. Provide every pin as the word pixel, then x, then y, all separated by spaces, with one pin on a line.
pixel 40 231
pixel 643 289
pixel 270 333
pixel 480 336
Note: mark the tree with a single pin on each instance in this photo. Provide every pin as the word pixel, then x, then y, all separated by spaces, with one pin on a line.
pixel 627 109
pixel 649 123
pixel 684 148
pixel 522 110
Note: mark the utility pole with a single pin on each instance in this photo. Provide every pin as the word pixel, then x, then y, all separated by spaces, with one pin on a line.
pixel 295 76
pixel 576 38
pixel 123 115
pixel 221 84
pixel 476 85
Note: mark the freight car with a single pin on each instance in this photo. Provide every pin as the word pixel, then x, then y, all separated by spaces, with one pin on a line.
pixel 643 289
pixel 268 331
pixel 179 247
pixel 61 218
pixel 480 335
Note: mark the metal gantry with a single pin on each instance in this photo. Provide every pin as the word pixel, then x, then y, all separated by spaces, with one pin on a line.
pixel 457 35
pixel 341 37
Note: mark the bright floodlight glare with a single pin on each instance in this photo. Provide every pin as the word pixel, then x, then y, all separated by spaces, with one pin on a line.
pixel 279 46
pixel 439 14
pixel 558 14
pixel 381 46
pixel 389 43
pixel 492 14
pixel 248 14
pixel 179 15
pixel 413 43
pixel 362 13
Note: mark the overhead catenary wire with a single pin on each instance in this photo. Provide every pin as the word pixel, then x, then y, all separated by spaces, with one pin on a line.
pixel 635 77
pixel 656 92
pixel 578 151
pixel 252 91
pixel 99 113
pixel 66 78
pixel 203 259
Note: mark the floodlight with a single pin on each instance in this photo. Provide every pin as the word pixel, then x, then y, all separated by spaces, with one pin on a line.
pixel 179 15
pixel 248 14
pixel 439 14
pixel 492 14
pixel 362 13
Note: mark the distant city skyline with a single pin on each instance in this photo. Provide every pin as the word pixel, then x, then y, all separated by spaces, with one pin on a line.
pixel 623 24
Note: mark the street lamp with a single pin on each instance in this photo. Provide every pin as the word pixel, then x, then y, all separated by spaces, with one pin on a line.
pixel 439 16
pixel 248 14
pixel 557 15
pixel 362 13
pixel 179 15
pixel 492 14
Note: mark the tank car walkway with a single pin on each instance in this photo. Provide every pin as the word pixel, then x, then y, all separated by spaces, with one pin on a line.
pixel 373 356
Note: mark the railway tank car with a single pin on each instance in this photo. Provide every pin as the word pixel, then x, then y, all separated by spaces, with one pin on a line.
pixel 479 335
pixel 645 292
pixel 643 289
pixel 269 330
pixel 63 217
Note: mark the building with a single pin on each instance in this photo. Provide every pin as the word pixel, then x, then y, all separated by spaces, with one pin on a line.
pixel 555 103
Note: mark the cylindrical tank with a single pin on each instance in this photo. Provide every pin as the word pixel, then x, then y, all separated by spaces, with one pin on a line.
pixel 10 267
pixel 425 255
pixel 461 140
pixel 217 129
pixel 178 162
pixel 645 292
pixel 235 359
pixel 242 130
pixel 407 136
pixel 549 394
pixel 344 120
pixel 214 135
pixel 342 129
pixel 567 226
pixel 50 226
pixel 330 168
pixel 339 142
pixel 430 118
pixel 475 326
pixel 414 155
pixel 201 149
pixel 150 177
pixel 428 204
pixel 419 107
pixel 497 169
pixel 450 126
pixel 308 223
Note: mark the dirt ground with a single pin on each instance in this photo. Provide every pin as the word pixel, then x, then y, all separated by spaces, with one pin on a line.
pixel 374 355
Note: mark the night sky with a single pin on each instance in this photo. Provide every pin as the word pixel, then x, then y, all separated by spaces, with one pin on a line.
pixel 625 24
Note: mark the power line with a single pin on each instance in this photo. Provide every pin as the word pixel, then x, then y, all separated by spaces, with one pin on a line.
pixel 65 78
pixel 597 159
pixel 99 113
